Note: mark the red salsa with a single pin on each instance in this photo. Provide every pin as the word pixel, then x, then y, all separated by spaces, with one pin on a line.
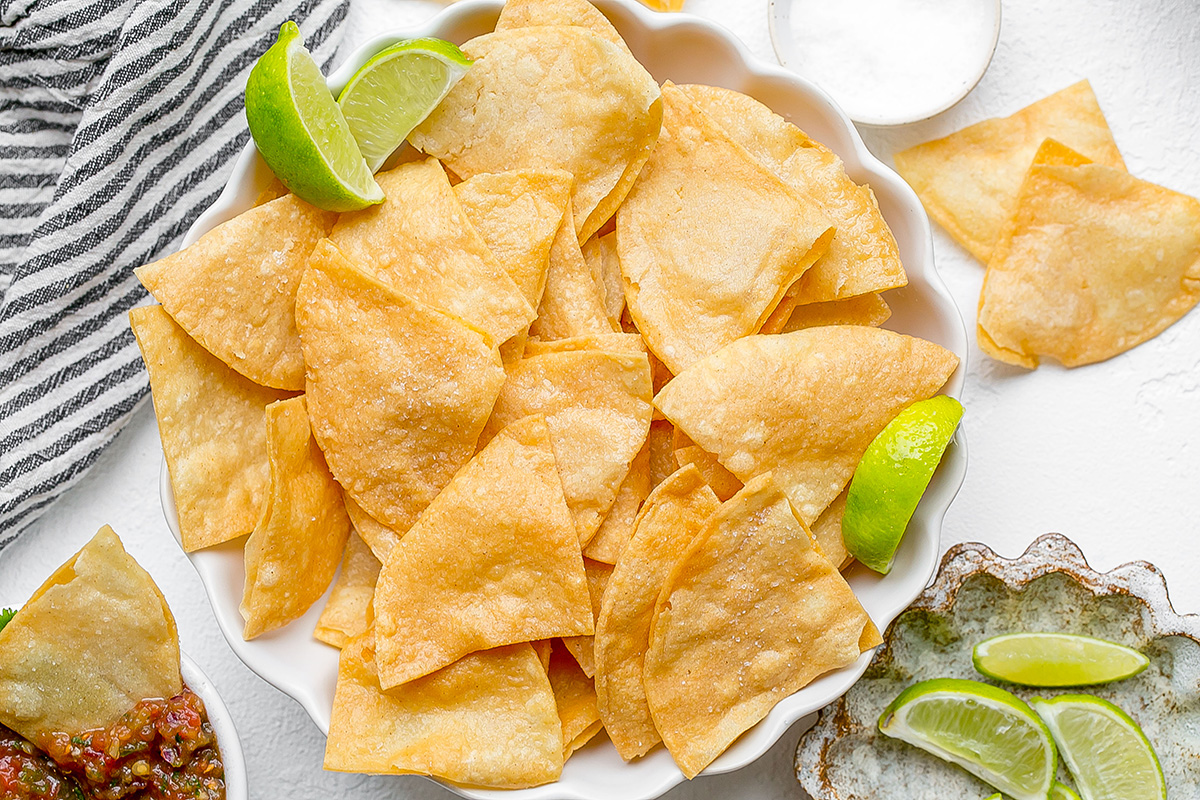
pixel 161 750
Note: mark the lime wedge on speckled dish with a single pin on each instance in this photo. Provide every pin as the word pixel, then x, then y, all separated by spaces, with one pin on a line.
pixel 987 731
pixel 894 472
pixel 1061 792
pixel 300 131
pixel 1108 755
pixel 396 90
pixel 1056 659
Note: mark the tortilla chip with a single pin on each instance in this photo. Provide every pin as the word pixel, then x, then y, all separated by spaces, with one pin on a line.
pixel 576 698
pixel 348 612
pixel 662 451
pixel 969 180
pixel 724 649
pixel 275 189
pixel 377 536
pixel 709 239
pixel 803 404
pixel 542 647
pixel 581 646
pixel 723 482
pixel 600 253
pixel 557 97
pixel 617 527
pixel 572 304
pixel 518 214
pixel 494 560
pixel 94 640
pixel 421 243
pixel 486 720
pixel 827 531
pixel 863 256
pixel 866 309
pixel 673 515
pixel 1094 262
pixel 210 420
pixel 530 13
pixel 234 290
pixel 293 552
pixel 397 391
pixel 597 405
pixel 605 342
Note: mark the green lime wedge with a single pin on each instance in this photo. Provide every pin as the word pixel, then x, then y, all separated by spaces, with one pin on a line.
pixel 894 472
pixel 1061 792
pixel 1105 751
pixel 300 131
pixel 987 731
pixel 1056 659
pixel 396 90
pixel 996 796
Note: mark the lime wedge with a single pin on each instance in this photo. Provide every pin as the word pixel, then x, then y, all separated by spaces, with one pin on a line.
pixel 300 131
pixel 894 472
pixel 1060 792
pixel 396 90
pixel 987 731
pixel 1056 659
pixel 1106 752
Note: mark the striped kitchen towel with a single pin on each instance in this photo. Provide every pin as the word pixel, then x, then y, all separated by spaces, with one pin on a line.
pixel 119 123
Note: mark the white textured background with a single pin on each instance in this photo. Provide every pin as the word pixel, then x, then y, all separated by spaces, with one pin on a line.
pixel 1108 454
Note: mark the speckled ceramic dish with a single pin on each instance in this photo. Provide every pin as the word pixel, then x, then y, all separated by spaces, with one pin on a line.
pixel 977 594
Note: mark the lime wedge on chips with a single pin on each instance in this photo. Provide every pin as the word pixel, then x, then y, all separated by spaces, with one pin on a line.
pixel 300 131
pixel 987 731
pixel 396 90
pixel 1106 752
pixel 1056 659
pixel 1060 792
pixel 894 472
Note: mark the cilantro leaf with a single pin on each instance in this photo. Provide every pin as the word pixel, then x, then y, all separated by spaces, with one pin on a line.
pixel 5 615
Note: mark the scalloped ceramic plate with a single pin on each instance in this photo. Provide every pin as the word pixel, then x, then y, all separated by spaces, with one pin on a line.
pixel 684 49
pixel 232 757
pixel 977 595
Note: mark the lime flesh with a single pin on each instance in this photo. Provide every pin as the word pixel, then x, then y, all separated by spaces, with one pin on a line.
pixel 1056 659
pixel 987 731
pixel 1106 752
pixel 396 90
pixel 894 472
pixel 300 131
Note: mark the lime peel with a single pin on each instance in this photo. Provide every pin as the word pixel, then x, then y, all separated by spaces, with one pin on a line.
pixel 1056 659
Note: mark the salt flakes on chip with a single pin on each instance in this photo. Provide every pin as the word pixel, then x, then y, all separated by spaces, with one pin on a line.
pixel 724 647
pixel 803 404
pixel 969 180
pixel 553 96
pixel 210 420
pixel 488 719
pixel 614 532
pixel 573 302
pixel 673 515
pixel 397 392
pixel 348 611
pixel 492 561
pixel 709 239
pixel 94 640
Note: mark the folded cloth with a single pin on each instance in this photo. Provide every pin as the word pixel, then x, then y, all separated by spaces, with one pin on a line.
pixel 119 123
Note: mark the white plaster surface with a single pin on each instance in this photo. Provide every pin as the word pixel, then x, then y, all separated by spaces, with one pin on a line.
pixel 1107 454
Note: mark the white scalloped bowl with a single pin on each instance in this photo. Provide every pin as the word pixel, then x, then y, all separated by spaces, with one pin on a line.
pixel 232 757
pixel 684 49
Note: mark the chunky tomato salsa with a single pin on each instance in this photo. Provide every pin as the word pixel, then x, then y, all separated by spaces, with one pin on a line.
pixel 161 750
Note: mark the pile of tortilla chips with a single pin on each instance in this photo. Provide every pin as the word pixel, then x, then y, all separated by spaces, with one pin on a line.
pixel 580 402
pixel 1084 261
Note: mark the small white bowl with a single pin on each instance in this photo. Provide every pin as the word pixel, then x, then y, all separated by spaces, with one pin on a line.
pixel 236 786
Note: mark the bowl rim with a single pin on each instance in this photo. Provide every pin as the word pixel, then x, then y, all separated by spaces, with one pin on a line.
pixel 250 172
pixel 233 757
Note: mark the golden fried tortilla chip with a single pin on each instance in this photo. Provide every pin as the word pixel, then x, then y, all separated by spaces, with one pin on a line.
pixel 210 420
pixel 600 253
pixel 580 647
pixel 674 514
pixel 969 180
pixel 597 405
pixel 605 342
pixel 614 532
pixel 573 302
pixel 530 13
pixel 494 560
pixel 234 290
pixel 863 256
pixel 865 309
pixel 726 647
pixel 294 550
pixel 709 239
pixel 557 97
pixel 94 640
pixel 723 482
pixel 803 404
pixel 397 391
pixel 576 698
pixel 421 243
pixel 827 531
pixel 662 451
pixel 1093 263
pixel 348 612
pixel 488 719
pixel 377 536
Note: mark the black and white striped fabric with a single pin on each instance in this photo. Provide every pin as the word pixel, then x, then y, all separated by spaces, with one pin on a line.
pixel 119 122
